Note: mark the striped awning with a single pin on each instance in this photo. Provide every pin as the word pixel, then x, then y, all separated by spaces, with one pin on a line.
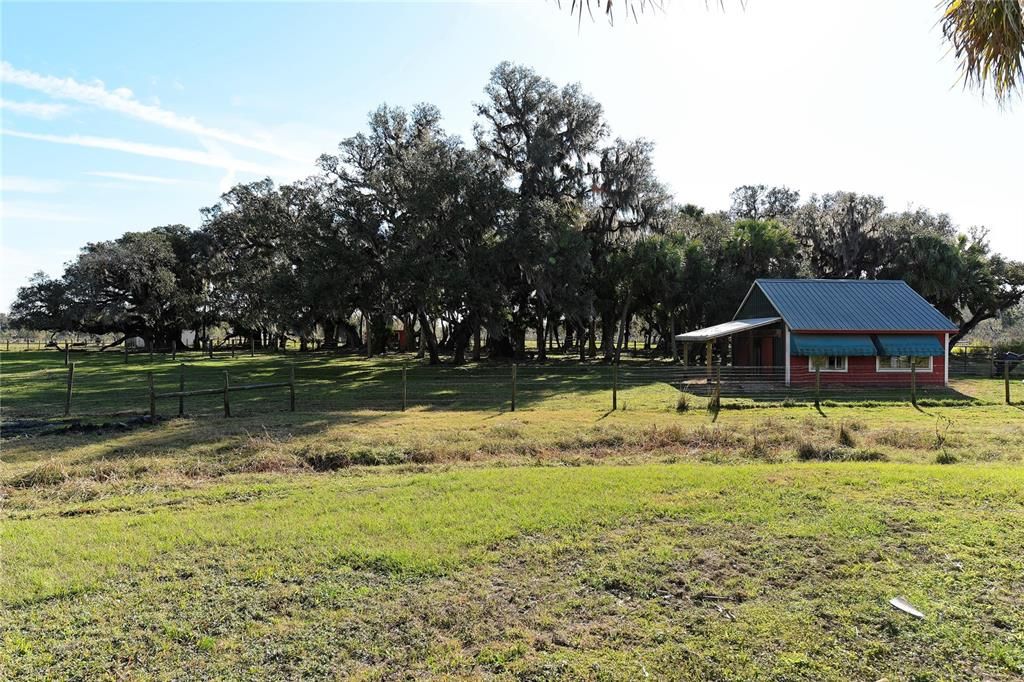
pixel 814 345
pixel 915 345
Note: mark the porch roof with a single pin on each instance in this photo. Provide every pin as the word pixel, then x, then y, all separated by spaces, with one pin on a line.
pixel 726 329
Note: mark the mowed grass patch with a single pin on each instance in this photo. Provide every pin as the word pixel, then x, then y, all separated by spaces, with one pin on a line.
pixel 185 453
pixel 679 571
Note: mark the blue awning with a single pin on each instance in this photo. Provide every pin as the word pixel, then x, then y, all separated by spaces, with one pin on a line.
pixel 916 345
pixel 831 344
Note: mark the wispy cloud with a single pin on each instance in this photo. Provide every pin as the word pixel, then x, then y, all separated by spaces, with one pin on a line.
pixel 133 177
pixel 43 110
pixel 12 210
pixel 18 183
pixel 200 158
pixel 123 101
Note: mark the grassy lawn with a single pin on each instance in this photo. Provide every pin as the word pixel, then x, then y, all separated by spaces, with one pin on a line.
pixel 458 539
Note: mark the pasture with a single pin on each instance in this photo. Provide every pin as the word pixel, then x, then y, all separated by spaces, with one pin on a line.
pixel 458 539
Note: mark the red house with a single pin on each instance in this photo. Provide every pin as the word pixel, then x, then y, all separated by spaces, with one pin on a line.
pixel 855 332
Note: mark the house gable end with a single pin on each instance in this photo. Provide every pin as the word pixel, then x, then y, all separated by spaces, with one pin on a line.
pixel 755 305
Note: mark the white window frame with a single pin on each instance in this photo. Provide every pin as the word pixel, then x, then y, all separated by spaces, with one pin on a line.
pixel 812 369
pixel 905 370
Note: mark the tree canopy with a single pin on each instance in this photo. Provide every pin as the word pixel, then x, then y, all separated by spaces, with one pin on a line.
pixel 546 223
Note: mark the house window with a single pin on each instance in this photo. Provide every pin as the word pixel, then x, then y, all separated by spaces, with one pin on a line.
pixel 828 363
pixel 901 363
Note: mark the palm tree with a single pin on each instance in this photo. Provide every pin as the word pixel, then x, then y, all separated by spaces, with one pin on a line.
pixel 987 38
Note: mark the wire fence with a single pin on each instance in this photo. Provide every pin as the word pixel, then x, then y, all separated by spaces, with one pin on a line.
pixel 100 386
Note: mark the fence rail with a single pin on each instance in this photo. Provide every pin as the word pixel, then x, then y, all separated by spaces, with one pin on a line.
pixel 323 383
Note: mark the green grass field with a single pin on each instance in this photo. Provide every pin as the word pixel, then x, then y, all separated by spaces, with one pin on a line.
pixel 458 539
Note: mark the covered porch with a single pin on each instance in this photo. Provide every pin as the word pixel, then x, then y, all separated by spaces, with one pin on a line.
pixel 745 354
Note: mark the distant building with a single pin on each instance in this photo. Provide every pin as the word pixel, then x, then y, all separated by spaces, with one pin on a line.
pixel 858 332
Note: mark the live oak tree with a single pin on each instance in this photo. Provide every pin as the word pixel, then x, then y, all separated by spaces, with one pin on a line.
pixel 544 222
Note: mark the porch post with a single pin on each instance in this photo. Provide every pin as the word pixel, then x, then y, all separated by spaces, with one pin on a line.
pixel 708 348
pixel 786 354
pixel 945 379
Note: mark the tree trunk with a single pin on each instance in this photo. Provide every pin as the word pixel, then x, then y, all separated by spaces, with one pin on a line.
pixel 330 334
pixel 672 337
pixel 431 339
pixel 476 340
pixel 592 337
pixel 542 345
pixel 421 353
pixel 608 336
pixel 623 325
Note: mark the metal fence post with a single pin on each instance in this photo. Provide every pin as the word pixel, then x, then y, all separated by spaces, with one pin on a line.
pixel 514 387
pixel 615 387
pixel 152 398
pixel 227 403
pixel 67 396
pixel 181 389
pixel 291 388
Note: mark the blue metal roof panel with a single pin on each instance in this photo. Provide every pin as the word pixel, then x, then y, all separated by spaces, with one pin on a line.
pixel 852 305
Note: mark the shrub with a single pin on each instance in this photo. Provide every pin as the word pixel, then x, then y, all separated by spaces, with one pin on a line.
pixel 946 457
pixel 683 403
pixel 50 472
pixel 845 436
pixel 807 451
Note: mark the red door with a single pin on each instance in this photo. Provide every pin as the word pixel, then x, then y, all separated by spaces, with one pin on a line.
pixel 767 354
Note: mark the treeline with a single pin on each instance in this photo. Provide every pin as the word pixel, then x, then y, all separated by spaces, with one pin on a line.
pixel 544 224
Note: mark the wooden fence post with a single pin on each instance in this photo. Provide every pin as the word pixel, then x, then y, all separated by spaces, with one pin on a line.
pixel 1006 378
pixel 181 389
pixel 615 386
pixel 291 388
pixel 405 389
pixel 513 387
pixel 209 347
pixel 913 381
pixel 817 385
pixel 67 396
pixel 152 398
pixel 227 402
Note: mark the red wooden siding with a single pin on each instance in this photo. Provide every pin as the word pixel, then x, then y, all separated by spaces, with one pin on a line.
pixel 861 371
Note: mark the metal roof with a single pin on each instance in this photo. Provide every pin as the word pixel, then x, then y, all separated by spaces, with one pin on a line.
pixel 726 328
pixel 852 305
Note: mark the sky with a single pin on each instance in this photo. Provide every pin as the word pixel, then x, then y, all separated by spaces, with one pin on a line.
pixel 126 116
